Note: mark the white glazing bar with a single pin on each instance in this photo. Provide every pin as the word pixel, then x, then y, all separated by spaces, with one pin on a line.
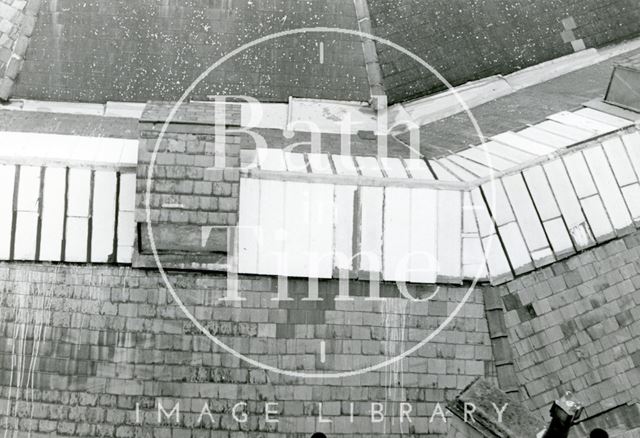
pixel 620 162
pixel 271 159
pixel 496 258
pixel 7 180
pixel 126 236
pixel 344 165
pixel 319 163
pixel 631 195
pixel 502 213
pixel 498 202
pixel 580 175
pixel 397 234
pixel 249 225
pixel 570 132
pixel 53 213
pixel 516 247
pixel 569 205
pixel 609 189
pixel 632 144
pixel 270 246
pixel 78 196
pixel 126 217
pixel 393 167
pixel 603 117
pixel 527 218
pixel 573 119
pixel 296 230
pixel 343 214
pixel 68 148
pixel 548 210
pixel 598 219
pixel 473 260
pixel 442 173
pixel 418 169
pixel 295 162
pixel 545 137
pixel 29 188
pixel 517 141
pixel 497 261
pixel 559 237
pixel 371 203
pixel 369 166
pixel 104 216
pixel 450 235
pixel 480 156
pixel 541 193
pixel 423 264
pixel 28 213
pixel 26 235
pixel 321 226
pixel 507 152
pixel 470 166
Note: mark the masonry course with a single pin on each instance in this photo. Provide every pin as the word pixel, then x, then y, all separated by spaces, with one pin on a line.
pixel 113 338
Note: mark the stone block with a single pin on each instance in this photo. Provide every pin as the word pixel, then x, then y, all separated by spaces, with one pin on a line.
pixel 6 89
pixel 20 48
pixel 13 68
pixel 7 12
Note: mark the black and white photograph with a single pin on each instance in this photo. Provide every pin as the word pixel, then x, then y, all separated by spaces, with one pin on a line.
pixel 320 218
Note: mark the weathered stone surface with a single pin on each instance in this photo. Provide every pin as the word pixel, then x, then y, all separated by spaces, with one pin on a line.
pixel 114 338
pixel 17 20
pixel 585 333
pixel 515 422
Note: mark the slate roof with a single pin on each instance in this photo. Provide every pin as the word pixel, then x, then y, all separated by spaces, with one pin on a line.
pixel 141 51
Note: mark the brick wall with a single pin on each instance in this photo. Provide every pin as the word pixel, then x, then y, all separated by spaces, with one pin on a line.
pixel 81 345
pixel 17 21
pixel 470 40
pixel 124 50
pixel 576 326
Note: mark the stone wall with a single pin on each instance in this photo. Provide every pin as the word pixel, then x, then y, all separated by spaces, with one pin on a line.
pixel 195 182
pixel 466 40
pixel 576 326
pixel 17 22
pixel 81 345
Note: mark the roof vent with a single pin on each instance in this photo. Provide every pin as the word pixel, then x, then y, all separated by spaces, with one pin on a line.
pixel 624 87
